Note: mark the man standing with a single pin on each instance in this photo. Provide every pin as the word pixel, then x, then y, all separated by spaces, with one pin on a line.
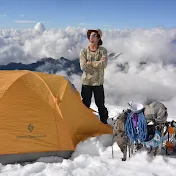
pixel 93 61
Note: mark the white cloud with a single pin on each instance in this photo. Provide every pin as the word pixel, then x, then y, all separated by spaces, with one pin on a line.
pixel 25 21
pixel 153 80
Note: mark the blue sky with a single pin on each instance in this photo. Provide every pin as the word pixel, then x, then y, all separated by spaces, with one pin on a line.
pixel 104 14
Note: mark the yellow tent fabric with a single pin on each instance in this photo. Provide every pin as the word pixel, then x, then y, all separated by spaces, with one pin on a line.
pixel 42 112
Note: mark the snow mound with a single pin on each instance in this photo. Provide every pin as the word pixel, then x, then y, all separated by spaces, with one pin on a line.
pixel 39 27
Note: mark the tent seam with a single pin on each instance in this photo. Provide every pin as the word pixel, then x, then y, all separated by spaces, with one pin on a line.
pixel 13 83
pixel 55 101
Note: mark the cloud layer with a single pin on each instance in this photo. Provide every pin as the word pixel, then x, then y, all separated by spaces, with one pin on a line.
pixel 144 71
pixel 25 21
pixel 136 46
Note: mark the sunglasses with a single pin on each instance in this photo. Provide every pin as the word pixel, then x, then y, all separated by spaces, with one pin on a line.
pixel 94 35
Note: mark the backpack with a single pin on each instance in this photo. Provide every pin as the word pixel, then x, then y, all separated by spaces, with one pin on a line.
pixel 156 112
pixel 119 134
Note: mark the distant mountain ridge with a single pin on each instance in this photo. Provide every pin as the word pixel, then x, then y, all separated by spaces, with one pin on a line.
pixel 51 65
pixel 46 64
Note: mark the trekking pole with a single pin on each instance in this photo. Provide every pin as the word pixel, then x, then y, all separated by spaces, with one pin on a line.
pixel 129 150
pixel 112 147
pixel 112 152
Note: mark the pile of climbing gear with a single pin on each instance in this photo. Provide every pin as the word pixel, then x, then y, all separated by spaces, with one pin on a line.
pixel 145 128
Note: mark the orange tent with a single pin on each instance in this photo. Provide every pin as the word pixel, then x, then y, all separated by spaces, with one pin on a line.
pixel 42 115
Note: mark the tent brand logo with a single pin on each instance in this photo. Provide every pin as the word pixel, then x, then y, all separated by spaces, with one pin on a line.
pixel 30 127
pixel 31 137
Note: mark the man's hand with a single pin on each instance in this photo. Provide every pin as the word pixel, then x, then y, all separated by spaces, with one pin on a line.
pixel 89 62
pixel 103 59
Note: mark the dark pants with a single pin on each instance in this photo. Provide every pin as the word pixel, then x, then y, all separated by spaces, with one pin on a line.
pixel 99 97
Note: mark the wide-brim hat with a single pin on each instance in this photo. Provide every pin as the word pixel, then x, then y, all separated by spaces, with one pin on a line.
pixel 98 31
pixel 136 107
